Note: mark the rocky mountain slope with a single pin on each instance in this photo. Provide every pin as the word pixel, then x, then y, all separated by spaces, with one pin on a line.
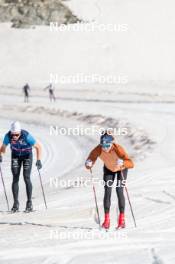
pixel 27 13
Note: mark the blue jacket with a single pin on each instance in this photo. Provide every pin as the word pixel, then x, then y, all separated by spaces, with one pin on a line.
pixel 21 147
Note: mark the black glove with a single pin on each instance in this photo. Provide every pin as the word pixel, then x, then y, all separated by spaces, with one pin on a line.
pixel 39 164
pixel 0 159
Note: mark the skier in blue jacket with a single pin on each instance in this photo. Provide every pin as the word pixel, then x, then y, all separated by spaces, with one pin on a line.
pixel 21 144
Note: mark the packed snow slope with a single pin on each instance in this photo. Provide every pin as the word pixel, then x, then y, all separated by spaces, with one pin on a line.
pixel 67 232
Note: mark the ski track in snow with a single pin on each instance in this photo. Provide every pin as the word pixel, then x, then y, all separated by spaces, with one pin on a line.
pixel 137 240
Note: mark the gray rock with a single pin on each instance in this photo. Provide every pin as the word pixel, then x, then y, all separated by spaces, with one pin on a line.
pixel 28 13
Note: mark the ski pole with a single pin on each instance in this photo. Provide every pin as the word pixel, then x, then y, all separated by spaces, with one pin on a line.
pixel 5 193
pixel 127 193
pixel 42 188
pixel 95 198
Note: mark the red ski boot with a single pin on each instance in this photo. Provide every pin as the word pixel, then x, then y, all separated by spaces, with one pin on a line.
pixel 106 223
pixel 121 221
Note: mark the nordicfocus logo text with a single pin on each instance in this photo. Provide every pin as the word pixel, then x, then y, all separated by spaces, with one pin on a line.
pixel 56 182
pixel 86 131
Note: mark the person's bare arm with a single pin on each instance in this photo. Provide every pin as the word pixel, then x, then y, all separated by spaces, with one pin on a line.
pixel 3 149
pixel 37 146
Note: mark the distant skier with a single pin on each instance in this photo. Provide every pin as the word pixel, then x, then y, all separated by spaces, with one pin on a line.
pixel 115 160
pixel 21 143
pixel 51 89
pixel 26 90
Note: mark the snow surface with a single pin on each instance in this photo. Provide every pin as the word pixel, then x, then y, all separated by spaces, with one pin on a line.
pixel 67 231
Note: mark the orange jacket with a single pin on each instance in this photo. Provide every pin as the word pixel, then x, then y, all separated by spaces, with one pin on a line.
pixel 110 158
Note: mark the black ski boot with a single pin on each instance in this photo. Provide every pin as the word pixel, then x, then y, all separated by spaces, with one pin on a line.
pixel 15 207
pixel 29 207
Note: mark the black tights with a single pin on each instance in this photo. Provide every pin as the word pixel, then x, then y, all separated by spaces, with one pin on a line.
pixel 16 165
pixel 109 178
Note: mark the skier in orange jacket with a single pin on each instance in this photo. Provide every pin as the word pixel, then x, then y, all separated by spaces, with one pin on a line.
pixel 116 164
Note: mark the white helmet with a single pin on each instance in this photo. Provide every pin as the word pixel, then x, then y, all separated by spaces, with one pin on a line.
pixel 15 127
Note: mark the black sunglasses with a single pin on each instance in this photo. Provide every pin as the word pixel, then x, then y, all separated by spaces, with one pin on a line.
pixel 15 135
